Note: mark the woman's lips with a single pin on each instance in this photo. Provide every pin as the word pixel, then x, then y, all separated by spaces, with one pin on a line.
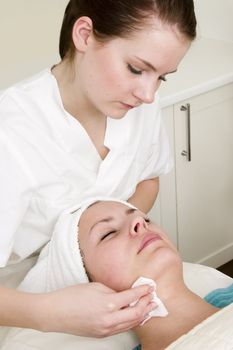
pixel 126 106
pixel 148 239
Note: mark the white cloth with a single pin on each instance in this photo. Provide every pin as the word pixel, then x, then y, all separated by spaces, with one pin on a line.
pixel 214 333
pixel 60 262
pixel 161 310
pixel 48 161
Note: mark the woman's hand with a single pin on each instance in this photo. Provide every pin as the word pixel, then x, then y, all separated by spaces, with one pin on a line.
pixel 93 310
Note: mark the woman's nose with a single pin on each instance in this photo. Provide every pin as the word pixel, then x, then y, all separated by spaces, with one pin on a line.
pixel 138 226
pixel 146 91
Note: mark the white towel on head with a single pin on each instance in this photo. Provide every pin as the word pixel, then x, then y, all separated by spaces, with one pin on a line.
pixel 64 260
pixel 60 263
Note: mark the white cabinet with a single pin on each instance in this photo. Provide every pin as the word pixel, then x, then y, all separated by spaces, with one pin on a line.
pixel 196 198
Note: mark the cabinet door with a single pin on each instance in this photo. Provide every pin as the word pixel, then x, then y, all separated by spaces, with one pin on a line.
pixel 205 182
pixel 164 210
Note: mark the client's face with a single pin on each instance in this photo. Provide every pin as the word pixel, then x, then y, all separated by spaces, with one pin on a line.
pixel 119 244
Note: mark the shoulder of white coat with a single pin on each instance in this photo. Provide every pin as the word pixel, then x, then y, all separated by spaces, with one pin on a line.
pixel 32 108
pixel 16 101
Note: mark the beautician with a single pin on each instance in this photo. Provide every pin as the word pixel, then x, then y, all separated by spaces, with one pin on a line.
pixel 90 125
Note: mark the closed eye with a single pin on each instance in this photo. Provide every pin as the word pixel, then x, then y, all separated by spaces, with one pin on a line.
pixel 163 78
pixel 147 220
pixel 107 235
pixel 134 70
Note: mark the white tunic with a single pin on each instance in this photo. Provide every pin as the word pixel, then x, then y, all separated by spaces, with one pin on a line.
pixel 48 161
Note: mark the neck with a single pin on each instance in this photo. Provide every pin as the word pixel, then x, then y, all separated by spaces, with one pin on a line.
pixel 72 96
pixel 185 310
pixel 77 105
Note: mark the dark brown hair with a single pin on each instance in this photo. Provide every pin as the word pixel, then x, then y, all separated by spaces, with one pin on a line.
pixel 118 18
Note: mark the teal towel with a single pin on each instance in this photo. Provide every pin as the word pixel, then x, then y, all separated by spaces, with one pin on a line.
pixel 220 297
pixel 137 347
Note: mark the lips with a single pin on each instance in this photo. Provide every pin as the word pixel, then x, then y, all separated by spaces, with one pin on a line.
pixel 148 239
pixel 129 106
pixel 125 105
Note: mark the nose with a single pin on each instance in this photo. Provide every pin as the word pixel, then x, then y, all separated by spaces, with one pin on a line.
pixel 145 92
pixel 138 226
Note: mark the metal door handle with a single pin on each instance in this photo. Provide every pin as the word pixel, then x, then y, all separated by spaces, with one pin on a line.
pixel 184 153
pixel 187 153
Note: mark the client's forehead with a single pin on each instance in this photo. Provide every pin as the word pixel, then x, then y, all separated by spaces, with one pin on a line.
pixel 100 209
pixel 103 206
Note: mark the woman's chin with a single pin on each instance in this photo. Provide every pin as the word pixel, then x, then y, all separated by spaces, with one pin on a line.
pixel 162 262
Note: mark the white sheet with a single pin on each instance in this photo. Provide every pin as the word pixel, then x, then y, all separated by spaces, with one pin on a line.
pixel 201 279
pixel 215 333
pixel 30 340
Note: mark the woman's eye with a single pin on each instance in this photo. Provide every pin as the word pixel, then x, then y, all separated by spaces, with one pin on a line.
pixel 134 70
pixel 163 78
pixel 147 220
pixel 107 235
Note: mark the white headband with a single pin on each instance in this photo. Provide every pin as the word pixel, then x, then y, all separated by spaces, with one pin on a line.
pixel 65 266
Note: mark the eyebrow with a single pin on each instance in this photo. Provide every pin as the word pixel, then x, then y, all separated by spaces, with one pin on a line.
pixel 111 218
pixel 149 65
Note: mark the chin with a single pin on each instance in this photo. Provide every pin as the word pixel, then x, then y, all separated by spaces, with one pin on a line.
pixel 115 112
pixel 117 115
pixel 162 261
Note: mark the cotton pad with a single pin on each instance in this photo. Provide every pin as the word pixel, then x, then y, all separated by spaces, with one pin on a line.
pixel 161 310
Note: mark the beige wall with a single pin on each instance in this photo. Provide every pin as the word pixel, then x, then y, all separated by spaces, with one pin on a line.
pixel 29 32
pixel 215 18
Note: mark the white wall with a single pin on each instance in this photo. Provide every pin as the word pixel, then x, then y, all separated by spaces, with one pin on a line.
pixel 215 18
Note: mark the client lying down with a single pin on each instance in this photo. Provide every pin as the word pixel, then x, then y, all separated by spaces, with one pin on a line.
pixel 111 242
pixel 118 245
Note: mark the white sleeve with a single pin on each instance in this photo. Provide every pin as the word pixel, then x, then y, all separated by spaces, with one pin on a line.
pixel 16 185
